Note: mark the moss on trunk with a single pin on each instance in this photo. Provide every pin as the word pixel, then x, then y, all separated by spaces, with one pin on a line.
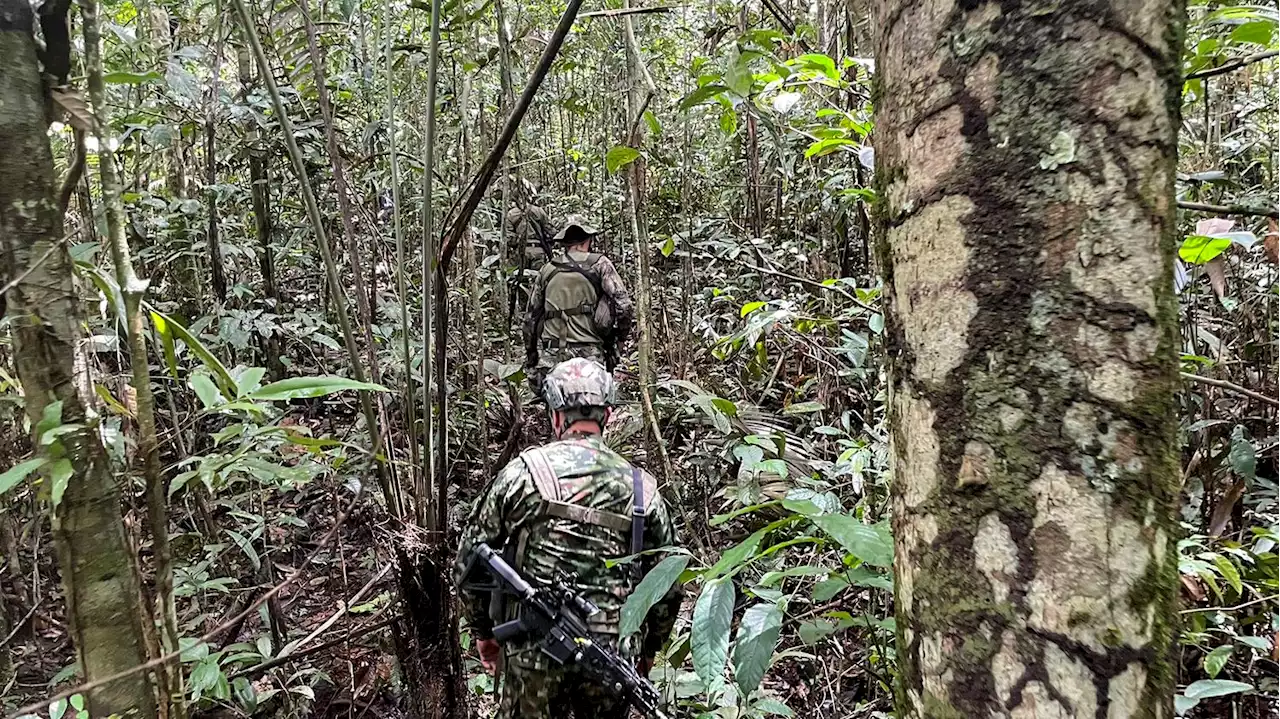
pixel 98 576
pixel 1026 159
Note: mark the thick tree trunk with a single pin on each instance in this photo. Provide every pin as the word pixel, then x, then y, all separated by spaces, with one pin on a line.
pixel 1026 164
pixel 102 596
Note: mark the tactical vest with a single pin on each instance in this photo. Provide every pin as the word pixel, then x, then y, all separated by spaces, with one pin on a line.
pixel 572 292
pixel 571 533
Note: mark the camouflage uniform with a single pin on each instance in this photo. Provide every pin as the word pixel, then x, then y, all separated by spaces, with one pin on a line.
pixel 543 541
pixel 566 319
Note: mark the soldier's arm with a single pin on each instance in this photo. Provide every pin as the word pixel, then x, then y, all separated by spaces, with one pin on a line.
pixel 492 520
pixel 533 321
pixel 659 531
pixel 623 310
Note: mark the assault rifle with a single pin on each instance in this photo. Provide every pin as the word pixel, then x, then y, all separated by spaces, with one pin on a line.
pixel 555 617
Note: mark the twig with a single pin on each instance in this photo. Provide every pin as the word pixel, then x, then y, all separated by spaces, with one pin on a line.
pixel 804 281
pixel 277 661
pixel 343 608
pixel 1249 603
pixel 1229 209
pixel 629 11
pixel 1232 65
pixel 785 21
pixel 1230 387
pixel 18 627
pixel 73 174
pixel 208 636
pixel 53 247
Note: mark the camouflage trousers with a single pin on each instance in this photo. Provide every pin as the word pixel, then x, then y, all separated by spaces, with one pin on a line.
pixel 556 693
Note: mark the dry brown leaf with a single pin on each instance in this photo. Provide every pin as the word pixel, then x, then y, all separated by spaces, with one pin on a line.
pixel 1217 276
pixel 72 103
pixel 1271 241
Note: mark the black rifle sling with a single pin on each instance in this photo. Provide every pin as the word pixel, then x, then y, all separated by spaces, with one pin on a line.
pixel 637 517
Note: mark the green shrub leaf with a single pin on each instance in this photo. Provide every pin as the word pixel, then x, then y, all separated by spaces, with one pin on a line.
pixel 757 635
pixel 712 616
pixel 650 590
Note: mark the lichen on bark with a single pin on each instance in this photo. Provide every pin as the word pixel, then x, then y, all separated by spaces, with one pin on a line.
pixel 1025 157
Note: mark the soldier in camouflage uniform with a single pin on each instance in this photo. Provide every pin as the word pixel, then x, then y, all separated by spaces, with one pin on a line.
pixel 567 507
pixel 578 307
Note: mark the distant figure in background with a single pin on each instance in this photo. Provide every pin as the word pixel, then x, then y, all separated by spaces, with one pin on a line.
pixel 577 308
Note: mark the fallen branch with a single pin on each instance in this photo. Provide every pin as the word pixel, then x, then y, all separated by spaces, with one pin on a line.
pixel 804 281
pixel 1230 387
pixel 1232 65
pixel 361 632
pixel 1229 209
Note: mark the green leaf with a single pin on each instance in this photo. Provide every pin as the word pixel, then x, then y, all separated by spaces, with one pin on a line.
pixel 1215 660
pixel 827 146
pixel 650 590
pixel 757 635
pixel 1228 572
pixel 1208 688
pixel 619 157
pixel 750 307
pixel 712 616
pixel 739 77
pixel 19 472
pixel 733 558
pixel 804 408
pixel 219 370
pixel 772 705
pixel 1243 456
pixel 827 589
pixel 728 122
pixel 166 342
pixel 1182 705
pixel 701 95
pixel 60 473
pixel 307 387
pixel 1199 249
pixel 57 709
pixel 245 694
pixel 652 120
pixel 669 246
pixel 1258 32
pixel 206 390
pixel 870 543
pixel 1258 643
pixel 249 380
pixel 131 78
pixel 821 63
pixel 812 631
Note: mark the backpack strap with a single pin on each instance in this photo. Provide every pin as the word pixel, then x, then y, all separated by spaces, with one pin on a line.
pixel 544 477
pixel 548 484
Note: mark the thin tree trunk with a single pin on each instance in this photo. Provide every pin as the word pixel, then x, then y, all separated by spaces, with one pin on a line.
pixel 103 602
pixel 1027 238
pixel 428 515
pixel 132 290
pixel 390 492
pixel 218 272
pixel 409 401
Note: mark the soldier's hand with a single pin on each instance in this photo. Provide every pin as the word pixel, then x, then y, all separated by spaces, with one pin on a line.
pixel 490 655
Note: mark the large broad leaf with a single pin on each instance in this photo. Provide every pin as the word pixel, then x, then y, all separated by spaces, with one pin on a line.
pixel 1208 688
pixel 701 95
pixel 19 472
pixel 60 473
pixel 1199 249
pixel 220 373
pixel 307 387
pixel 651 589
pixel 757 635
pixel 733 558
pixel 820 63
pixel 709 640
pixel 619 157
pixel 827 146
pixel 871 543
pixel 131 78
pixel 739 77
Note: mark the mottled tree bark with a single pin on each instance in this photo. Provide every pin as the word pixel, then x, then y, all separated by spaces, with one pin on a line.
pixel 1026 159
pixel 102 596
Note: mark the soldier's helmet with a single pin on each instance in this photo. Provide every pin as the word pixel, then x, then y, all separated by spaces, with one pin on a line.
pixel 579 383
pixel 571 222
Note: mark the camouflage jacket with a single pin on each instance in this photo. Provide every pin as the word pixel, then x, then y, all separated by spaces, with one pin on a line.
pixel 592 476
pixel 609 324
